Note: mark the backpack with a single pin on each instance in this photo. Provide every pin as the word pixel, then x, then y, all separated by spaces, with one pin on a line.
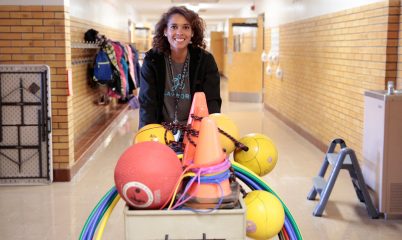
pixel 103 71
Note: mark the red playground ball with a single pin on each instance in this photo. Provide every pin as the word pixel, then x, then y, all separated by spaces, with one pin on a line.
pixel 146 175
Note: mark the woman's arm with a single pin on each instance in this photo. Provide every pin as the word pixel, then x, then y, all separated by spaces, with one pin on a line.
pixel 211 85
pixel 147 96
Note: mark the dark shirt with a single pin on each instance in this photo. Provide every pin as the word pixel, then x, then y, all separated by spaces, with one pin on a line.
pixel 177 98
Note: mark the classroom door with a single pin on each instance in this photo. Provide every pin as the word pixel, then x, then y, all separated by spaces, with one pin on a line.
pixel 217 44
pixel 245 45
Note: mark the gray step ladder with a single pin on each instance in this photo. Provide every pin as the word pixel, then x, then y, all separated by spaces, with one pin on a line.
pixel 345 159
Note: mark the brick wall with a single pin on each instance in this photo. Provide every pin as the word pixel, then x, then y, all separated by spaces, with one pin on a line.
pixel 328 63
pixel 399 66
pixel 41 35
pixel 38 35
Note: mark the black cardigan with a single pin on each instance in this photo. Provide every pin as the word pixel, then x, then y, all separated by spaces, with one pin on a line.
pixel 204 77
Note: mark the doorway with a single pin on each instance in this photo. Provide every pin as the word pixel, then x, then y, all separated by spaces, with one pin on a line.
pixel 245 45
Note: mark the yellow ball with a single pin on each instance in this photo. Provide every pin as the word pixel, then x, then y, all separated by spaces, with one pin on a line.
pixel 227 125
pixel 261 156
pixel 153 132
pixel 264 214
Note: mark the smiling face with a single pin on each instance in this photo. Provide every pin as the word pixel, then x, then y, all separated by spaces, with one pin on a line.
pixel 178 32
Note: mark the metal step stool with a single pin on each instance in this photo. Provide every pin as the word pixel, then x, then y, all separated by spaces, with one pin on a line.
pixel 345 159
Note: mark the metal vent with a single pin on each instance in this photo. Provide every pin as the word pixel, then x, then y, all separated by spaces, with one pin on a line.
pixel 396 198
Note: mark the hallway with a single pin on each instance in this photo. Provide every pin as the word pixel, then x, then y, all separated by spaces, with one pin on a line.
pixel 59 210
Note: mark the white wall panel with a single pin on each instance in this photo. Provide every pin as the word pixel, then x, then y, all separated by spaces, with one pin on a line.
pixel 246 12
pixel 110 13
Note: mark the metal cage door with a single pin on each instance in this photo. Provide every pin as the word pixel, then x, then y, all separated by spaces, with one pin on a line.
pixel 25 125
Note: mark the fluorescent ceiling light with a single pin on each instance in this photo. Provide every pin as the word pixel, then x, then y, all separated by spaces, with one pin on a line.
pixel 195 1
pixel 194 7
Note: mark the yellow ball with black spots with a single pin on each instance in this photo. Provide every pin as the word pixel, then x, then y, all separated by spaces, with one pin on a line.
pixel 226 124
pixel 261 156
pixel 153 133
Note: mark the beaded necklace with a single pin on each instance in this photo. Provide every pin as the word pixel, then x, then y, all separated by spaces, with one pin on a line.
pixel 181 80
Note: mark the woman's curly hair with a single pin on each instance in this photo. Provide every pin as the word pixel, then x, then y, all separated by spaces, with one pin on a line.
pixel 160 42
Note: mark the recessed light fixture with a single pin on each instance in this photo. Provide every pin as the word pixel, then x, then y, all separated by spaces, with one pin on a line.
pixel 194 1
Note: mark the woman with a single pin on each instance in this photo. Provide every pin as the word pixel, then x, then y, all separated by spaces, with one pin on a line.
pixel 175 68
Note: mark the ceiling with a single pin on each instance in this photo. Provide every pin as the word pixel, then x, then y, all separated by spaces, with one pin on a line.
pixel 209 10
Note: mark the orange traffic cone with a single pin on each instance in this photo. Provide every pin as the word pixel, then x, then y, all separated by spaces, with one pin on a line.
pixel 199 109
pixel 208 153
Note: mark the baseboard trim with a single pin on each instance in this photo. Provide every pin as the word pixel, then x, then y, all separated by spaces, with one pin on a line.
pixel 313 140
pixel 245 97
pixel 65 175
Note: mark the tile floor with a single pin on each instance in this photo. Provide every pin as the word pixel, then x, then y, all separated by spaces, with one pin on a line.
pixel 59 210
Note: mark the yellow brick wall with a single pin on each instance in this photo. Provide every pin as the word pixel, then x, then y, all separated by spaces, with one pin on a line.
pixel 328 63
pixel 38 35
pixel 399 56
pixel 86 110
pixel 43 35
